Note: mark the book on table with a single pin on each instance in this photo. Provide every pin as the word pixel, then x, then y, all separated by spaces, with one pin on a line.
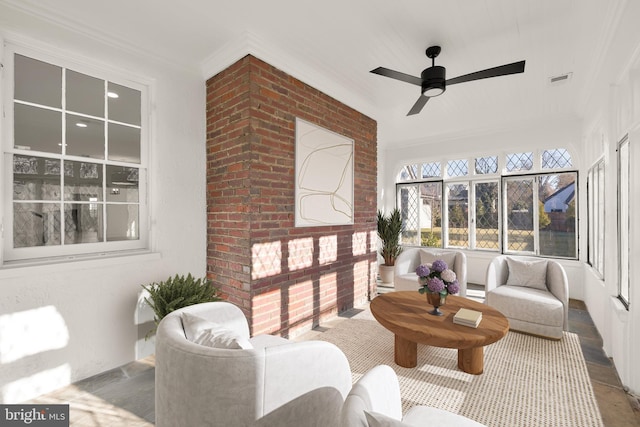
pixel 467 317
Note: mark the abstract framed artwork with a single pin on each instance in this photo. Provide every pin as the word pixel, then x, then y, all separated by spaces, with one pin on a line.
pixel 324 177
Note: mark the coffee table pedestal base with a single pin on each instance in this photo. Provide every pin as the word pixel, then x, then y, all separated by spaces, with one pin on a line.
pixel 405 353
pixel 471 360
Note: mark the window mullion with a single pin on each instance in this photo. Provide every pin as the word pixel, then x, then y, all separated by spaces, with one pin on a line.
pixel 536 214
pixel 472 215
pixel 63 150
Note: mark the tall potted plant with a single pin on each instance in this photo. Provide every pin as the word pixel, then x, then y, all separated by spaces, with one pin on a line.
pixel 389 230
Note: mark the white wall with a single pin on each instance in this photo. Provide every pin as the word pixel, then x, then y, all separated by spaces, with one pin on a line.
pixel 612 113
pixel 60 323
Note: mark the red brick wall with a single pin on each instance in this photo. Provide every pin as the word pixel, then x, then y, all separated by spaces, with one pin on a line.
pixel 286 279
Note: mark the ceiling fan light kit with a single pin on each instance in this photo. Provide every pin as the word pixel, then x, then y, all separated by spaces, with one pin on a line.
pixel 433 80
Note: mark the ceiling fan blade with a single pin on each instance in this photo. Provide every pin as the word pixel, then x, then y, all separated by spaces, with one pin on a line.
pixel 397 75
pixel 417 107
pixel 503 70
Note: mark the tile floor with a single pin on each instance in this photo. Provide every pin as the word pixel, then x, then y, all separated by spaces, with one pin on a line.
pixel 125 396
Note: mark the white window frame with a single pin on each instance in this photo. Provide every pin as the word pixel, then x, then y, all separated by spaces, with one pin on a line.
pixel 501 176
pixel 624 219
pixel 474 220
pixel 596 198
pixel 55 253
pixel 505 214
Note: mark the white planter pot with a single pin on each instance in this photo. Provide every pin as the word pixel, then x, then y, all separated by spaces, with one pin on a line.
pixel 386 273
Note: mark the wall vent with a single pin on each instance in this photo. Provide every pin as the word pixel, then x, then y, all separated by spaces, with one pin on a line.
pixel 560 78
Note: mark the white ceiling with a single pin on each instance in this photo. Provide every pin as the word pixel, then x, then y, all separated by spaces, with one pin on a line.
pixel 333 44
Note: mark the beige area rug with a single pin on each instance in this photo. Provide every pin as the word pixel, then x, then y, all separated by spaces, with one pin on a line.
pixel 527 381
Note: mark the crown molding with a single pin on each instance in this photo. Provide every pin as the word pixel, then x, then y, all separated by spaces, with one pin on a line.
pixel 41 12
pixel 301 67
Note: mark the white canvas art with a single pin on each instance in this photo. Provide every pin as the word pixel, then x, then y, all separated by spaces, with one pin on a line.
pixel 324 177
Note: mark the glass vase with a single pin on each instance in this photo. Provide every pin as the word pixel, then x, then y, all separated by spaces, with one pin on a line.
pixel 436 299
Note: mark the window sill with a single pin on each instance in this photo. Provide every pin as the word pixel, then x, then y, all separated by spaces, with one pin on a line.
pixel 105 259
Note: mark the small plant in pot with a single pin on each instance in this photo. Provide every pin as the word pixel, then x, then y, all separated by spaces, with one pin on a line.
pixel 389 231
pixel 177 292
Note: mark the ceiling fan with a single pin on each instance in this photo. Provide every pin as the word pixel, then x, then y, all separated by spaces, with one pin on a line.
pixel 433 81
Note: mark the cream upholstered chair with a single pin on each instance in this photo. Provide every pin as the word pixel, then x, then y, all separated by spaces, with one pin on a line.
pixel 533 293
pixel 405 277
pixel 269 381
pixel 375 401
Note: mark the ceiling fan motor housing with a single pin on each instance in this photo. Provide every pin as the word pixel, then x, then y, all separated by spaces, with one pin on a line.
pixel 433 81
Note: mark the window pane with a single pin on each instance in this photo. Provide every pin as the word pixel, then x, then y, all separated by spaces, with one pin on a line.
pixel 557 158
pixel 421 209
pixel 591 218
pixel 409 173
pixel 85 94
pixel 122 222
pixel 122 184
pixel 519 209
pixel 557 214
pixel 37 129
pixel 457 168
pixel 431 170
pixel 458 213
pixel 85 137
pixel 124 104
pixel 37 82
pixel 486 200
pixel 519 162
pixel 431 214
pixel 623 219
pixel 486 165
pixel 124 143
pixel 82 181
pixel 36 178
pixel 83 223
pixel 36 224
pixel 408 197
pixel 601 199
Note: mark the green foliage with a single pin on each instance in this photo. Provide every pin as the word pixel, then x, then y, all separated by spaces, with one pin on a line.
pixel 389 229
pixel 543 218
pixel 457 217
pixel 430 239
pixel 571 210
pixel 177 292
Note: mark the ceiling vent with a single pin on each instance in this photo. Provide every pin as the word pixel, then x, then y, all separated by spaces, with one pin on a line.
pixel 560 78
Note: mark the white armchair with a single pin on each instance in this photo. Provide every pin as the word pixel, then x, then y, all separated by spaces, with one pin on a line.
pixel 271 382
pixel 533 293
pixel 375 401
pixel 405 277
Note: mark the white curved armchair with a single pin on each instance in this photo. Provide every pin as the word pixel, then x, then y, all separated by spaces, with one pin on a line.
pixel 535 297
pixel 277 382
pixel 405 277
pixel 375 400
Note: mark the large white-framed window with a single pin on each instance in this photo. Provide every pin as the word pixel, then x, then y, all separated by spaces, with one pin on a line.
pixel 624 163
pixel 75 159
pixel 540 214
pixel 596 216
pixel 491 205
pixel 420 207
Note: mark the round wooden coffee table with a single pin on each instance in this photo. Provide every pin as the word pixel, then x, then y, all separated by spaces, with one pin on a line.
pixel 405 313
